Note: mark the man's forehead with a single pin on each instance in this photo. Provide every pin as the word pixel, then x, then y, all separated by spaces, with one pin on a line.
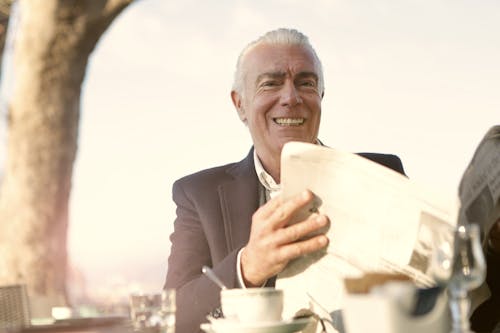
pixel 272 59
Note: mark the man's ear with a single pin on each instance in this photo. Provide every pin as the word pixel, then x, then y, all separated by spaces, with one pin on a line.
pixel 237 102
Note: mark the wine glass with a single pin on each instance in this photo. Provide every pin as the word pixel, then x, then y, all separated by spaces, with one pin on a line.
pixel 468 272
pixel 457 263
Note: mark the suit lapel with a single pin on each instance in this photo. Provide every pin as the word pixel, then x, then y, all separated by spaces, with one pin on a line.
pixel 239 199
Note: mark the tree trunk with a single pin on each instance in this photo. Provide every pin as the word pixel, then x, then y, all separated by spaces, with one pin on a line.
pixel 5 6
pixel 55 39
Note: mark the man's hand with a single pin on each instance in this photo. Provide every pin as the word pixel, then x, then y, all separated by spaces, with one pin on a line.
pixel 273 243
pixel 494 235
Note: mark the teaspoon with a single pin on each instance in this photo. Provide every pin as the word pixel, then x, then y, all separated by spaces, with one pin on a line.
pixel 211 275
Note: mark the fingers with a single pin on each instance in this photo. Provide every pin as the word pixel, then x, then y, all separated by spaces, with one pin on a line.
pixel 292 242
pixel 279 203
pixel 300 230
pixel 277 212
pixel 297 249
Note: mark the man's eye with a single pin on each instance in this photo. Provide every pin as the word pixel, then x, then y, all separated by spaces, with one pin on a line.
pixel 308 83
pixel 269 83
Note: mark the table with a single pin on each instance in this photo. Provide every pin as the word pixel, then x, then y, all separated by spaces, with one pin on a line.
pixel 84 325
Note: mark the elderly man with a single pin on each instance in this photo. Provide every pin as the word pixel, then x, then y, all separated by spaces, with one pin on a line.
pixel 232 217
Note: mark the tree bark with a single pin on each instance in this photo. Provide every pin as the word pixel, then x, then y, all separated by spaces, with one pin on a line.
pixel 5 6
pixel 55 39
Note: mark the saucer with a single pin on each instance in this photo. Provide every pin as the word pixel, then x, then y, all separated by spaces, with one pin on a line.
pixel 227 326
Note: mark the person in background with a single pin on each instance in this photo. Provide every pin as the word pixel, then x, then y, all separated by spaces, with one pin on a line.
pixel 486 317
pixel 231 217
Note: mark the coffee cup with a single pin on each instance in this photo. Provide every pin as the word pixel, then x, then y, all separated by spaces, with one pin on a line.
pixel 252 305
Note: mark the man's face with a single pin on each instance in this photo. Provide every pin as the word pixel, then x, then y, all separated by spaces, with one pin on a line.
pixel 281 101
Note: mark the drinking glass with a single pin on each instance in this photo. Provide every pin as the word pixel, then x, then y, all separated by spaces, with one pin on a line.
pixel 467 273
pixel 153 313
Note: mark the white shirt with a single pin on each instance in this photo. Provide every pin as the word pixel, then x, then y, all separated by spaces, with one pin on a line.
pixel 272 189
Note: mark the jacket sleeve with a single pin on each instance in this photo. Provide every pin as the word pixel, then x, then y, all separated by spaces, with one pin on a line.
pixel 388 160
pixel 196 295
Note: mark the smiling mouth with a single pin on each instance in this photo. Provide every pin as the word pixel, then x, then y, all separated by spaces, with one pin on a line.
pixel 289 121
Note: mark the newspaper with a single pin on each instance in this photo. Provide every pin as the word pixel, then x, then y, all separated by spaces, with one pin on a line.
pixel 380 219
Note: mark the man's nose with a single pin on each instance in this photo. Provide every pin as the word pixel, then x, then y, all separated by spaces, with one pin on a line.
pixel 290 95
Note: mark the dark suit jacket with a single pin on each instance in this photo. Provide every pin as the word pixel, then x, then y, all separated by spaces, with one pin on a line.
pixel 214 214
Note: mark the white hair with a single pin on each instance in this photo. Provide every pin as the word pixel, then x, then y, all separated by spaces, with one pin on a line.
pixel 281 36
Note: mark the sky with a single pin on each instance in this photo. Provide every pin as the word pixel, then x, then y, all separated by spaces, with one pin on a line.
pixel 419 79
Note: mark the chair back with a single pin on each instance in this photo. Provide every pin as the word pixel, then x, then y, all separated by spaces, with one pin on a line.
pixel 14 307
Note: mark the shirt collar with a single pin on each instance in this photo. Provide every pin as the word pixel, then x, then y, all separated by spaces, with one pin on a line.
pixel 264 178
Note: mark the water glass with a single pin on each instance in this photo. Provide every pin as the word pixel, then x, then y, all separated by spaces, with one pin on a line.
pixel 153 313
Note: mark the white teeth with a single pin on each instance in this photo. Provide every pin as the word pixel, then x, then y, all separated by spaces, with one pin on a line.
pixel 289 121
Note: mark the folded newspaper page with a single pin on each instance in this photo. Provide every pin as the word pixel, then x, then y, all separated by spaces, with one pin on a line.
pixel 380 221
